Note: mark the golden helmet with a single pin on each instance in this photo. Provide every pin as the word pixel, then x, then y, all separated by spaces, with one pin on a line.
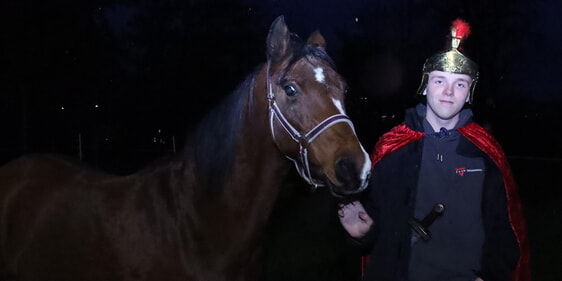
pixel 452 60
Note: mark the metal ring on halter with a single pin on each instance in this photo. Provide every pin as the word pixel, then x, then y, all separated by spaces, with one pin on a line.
pixel 305 140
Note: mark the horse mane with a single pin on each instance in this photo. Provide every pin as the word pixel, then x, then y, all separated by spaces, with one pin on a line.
pixel 212 144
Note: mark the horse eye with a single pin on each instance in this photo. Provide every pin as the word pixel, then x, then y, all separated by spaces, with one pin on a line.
pixel 290 90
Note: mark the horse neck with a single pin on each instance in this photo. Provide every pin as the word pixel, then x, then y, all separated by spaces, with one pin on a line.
pixel 241 206
pixel 259 160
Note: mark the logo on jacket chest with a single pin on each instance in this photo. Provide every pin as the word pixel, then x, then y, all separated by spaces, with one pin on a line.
pixel 462 171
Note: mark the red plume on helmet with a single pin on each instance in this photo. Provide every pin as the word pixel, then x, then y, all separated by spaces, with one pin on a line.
pixel 460 30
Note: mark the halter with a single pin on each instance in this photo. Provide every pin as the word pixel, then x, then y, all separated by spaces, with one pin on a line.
pixel 303 140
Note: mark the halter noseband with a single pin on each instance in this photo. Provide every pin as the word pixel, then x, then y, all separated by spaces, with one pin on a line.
pixel 303 140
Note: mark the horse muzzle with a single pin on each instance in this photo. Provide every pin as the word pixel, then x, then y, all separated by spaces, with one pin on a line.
pixel 351 178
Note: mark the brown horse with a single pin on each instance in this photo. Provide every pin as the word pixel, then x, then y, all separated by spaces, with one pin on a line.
pixel 200 214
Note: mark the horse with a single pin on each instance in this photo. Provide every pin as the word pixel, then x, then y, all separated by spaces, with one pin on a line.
pixel 200 213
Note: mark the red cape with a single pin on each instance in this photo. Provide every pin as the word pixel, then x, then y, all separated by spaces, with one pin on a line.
pixel 401 135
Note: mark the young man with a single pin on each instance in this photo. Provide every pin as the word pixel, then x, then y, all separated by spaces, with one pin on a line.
pixel 442 202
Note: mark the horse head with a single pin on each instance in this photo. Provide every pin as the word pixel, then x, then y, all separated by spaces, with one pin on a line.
pixel 308 120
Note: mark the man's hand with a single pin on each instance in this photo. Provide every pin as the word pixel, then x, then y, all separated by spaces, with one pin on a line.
pixel 355 219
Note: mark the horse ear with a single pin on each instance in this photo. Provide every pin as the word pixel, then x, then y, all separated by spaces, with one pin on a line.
pixel 277 39
pixel 316 39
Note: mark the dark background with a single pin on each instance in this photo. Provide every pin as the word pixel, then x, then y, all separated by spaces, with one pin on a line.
pixel 119 83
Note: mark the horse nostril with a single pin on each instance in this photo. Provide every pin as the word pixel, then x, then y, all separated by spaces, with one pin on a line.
pixel 347 173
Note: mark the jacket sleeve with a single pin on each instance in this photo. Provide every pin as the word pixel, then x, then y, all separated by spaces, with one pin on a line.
pixel 501 249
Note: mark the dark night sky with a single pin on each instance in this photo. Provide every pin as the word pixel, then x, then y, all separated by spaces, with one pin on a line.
pixel 132 74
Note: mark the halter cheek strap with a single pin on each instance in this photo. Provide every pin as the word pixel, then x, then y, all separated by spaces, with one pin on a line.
pixel 303 140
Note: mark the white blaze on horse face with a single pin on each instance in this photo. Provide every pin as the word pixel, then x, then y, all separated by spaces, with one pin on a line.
pixel 319 75
pixel 366 169
pixel 339 105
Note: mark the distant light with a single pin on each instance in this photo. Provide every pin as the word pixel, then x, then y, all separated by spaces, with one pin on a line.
pixel 250 9
pixel 96 106
pixel 62 108
pixel 356 19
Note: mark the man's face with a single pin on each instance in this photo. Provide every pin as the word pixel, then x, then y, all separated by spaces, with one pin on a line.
pixel 446 95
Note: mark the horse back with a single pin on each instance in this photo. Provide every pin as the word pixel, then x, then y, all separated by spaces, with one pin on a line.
pixel 85 222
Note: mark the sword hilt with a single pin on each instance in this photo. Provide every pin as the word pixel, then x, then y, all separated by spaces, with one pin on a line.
pixel 421 228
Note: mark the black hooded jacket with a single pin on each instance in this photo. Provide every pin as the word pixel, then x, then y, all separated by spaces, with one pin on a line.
pixel 391 201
